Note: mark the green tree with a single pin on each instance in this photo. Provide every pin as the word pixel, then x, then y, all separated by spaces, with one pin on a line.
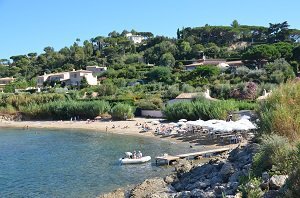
pixel 261 52
pixel 285 49
pixel 184 50
pixel 235 24
pixel 296 53
pixel 159 74
pixel 167 59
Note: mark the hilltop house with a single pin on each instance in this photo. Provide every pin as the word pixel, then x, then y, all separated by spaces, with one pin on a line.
pixel 215 62
pixel 5 81
pixel 68 78
pixel 135 38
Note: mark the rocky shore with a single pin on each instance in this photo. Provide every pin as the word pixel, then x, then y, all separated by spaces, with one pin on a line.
pixel 219 177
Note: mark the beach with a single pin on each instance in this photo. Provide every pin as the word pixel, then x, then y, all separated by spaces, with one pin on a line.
pixel 131 127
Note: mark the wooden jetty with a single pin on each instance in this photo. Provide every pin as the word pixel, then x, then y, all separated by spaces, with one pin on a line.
pixel 169 158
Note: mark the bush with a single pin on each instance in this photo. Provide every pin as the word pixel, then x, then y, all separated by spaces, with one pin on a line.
pixel 122 112
pixel 280 113
pixel 251 188
pixel 64 110
pixel 204 109
pixel 275 155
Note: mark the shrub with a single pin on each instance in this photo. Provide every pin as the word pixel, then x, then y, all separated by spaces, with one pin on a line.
pixel 122 111
pixel 204 109
pixel 251 188
pixel 275 155
pixel 280 113
pixel 63 110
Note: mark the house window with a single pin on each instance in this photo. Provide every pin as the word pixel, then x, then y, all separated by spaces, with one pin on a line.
pixel 75 75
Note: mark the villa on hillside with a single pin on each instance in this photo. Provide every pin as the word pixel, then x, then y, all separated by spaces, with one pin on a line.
pixel 5 81
pixel 69 78
pixel 215 62
pixel 135 38
pixel 183 97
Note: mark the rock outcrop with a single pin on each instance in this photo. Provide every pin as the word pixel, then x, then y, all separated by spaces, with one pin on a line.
pixel 215 179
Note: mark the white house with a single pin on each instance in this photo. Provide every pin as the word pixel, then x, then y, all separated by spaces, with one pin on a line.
pixel 135 38
pixel 70 78
pixel 62 76
pixel 6 80
pixel 77 76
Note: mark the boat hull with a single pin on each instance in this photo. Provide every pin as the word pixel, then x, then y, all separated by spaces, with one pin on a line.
pixel 135 161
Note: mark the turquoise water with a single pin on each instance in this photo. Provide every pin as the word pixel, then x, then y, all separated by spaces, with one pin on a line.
pixel 49 163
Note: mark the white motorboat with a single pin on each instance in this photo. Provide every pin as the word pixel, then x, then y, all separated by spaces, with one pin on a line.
pixel 129 160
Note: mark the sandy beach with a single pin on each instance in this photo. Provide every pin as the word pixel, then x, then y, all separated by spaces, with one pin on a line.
pixel 129 127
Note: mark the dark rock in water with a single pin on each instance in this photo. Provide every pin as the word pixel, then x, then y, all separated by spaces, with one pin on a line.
pixel 276 181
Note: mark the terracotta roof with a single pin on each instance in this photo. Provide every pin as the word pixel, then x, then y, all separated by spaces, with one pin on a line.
pixel 187 95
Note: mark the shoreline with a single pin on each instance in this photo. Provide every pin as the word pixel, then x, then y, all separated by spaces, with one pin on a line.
pixel 127 127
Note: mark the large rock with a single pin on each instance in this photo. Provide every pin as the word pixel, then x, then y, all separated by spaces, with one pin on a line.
pixel 150 187
pixel 226 171
pixel 197 193
pixel 219 190
pixel 182 167
pixel 170 179
pixel 115 194
pixel 276 181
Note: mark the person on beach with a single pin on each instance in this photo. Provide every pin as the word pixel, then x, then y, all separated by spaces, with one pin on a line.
pixel 106 128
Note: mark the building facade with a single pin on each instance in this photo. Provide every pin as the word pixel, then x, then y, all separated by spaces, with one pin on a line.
pixel 68 78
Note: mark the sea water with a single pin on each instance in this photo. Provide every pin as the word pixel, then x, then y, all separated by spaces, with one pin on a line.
pixel 74 163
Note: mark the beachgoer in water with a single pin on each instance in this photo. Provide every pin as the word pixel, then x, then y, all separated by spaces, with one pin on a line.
pixel 106 128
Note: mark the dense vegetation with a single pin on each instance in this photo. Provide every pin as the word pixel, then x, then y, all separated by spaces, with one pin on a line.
pixel 279 140
pixel 148 74
pixel 204 109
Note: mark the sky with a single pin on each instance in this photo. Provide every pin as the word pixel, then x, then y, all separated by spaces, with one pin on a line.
pixel 31 25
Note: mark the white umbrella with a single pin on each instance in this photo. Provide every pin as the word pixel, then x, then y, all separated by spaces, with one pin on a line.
pixel 182 120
